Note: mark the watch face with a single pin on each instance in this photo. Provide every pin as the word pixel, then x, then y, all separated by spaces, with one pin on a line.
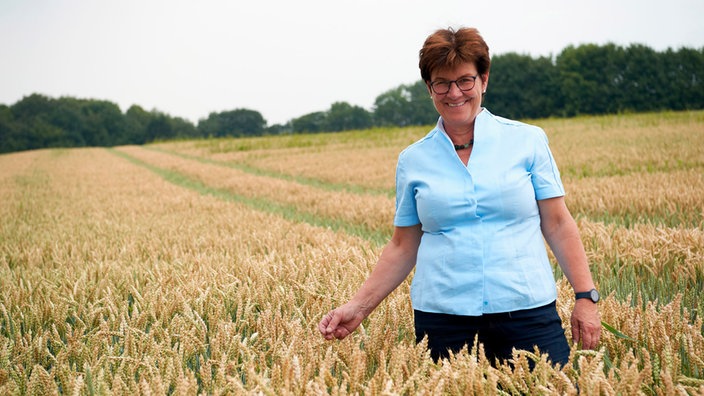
pixel 594 295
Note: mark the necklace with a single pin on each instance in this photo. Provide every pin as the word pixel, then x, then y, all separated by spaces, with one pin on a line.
pixel 464 146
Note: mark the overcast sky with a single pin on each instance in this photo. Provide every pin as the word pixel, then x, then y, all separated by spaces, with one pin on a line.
pixel 287 58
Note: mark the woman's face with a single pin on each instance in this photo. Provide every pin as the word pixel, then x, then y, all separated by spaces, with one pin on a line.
pixel 458 107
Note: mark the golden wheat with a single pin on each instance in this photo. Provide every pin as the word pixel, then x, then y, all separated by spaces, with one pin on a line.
pixel 672 198
pixel 179 272
pixel 364 158
pixel 623 144
pixel 114 280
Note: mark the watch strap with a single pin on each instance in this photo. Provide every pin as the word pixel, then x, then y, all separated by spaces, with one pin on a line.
pixel 592 294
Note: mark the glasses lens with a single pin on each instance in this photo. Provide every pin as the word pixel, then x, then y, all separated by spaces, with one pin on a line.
pixel 441 88
pixel 465 84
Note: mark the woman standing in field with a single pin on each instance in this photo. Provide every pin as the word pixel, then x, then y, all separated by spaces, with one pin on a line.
pixel 474 199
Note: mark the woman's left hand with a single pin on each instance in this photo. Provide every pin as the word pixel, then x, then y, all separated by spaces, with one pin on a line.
pixel 586 324
pixel 562 234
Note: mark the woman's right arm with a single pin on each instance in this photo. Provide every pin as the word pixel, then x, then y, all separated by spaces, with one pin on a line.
pixel 395 263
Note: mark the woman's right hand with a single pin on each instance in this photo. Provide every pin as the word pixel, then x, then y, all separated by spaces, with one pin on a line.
pixel 341 322
pixel 396 262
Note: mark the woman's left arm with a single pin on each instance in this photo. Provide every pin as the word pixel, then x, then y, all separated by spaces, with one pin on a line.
pixel 562 235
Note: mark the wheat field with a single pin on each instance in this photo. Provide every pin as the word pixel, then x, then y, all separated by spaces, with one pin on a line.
pixel 203 267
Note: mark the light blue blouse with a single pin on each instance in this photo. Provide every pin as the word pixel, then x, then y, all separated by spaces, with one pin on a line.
pixel 482 250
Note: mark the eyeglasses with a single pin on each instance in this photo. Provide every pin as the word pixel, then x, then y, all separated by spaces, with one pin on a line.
pixel 443 87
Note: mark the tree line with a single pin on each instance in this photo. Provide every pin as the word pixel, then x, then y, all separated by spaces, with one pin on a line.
pixel 586 79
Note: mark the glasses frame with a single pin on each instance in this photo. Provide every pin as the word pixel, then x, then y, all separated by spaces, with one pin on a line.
pixel 449 84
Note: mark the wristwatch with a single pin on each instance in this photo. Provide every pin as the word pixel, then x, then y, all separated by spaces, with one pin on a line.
pixel 591 294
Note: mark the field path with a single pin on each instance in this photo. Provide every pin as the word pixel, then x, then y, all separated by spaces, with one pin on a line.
pixel 368 215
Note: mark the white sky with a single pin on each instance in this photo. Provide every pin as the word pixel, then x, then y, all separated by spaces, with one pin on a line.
pixel 287 58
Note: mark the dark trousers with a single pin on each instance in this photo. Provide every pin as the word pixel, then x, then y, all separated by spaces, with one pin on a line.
pixel 523 329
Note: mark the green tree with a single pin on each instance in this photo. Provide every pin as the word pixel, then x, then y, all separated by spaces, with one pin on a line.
pixel 159 128
pixel 591 78
pixel 642 77
pixel 141 126
pixel 683 82
pixel 239 122
pixel 10 140
pixel 33 129
pixel 342 116
pixel 279 129
pixel 523 87
pixel 311 122
pixel 65 114
pixel 183 128
pixel 67 122
pixel 393 107
pixel 136 121
pixel 103 122
pixel 31 106
pixel 405 105
pixel 422 109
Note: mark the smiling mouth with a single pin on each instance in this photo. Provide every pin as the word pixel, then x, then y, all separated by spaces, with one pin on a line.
pixel 456 104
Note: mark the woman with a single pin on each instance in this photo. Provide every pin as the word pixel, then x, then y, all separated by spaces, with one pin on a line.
pixel 474 199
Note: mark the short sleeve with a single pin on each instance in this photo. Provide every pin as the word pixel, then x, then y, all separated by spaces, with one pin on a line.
pixel 545 175
pixel 406 209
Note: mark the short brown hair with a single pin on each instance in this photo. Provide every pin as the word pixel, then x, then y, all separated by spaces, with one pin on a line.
pixel 450 48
